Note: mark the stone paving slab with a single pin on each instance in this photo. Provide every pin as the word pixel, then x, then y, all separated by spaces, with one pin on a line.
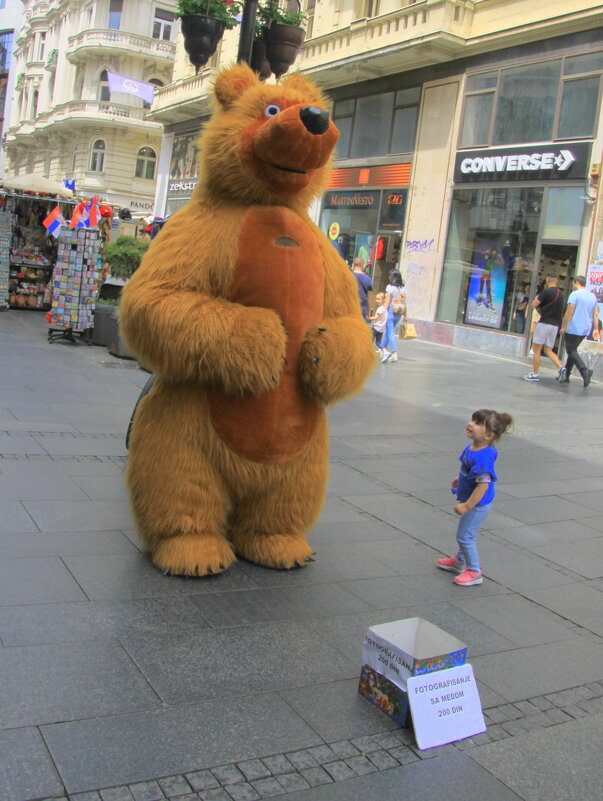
pixel 558 762
pixel 250 660
pixel 120 749
pixel 542 668
pixel 27 770
pixel 79 515
pixel 45 683
pixel 423 780
pixel 34 581
pixel 98 620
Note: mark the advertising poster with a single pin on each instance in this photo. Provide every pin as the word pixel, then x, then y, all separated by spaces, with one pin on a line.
pixel 594 284
pixel 487 286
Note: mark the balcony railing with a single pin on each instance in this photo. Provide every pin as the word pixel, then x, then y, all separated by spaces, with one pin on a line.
pixel 80 110
pixel 411 24
pixel 105 39
pixel 181 93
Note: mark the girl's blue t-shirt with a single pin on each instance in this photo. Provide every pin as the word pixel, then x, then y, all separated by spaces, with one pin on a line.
pixel 474 464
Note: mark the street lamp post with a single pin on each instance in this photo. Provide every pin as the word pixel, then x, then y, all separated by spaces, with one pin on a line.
pixel 250 8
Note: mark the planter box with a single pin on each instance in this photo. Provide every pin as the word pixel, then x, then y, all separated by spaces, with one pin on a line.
pixel 101 332
pixel 395 651
pixel 117 347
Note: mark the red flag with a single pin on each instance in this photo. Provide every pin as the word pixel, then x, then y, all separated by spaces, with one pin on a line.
pixel 77 214
pixel 94 212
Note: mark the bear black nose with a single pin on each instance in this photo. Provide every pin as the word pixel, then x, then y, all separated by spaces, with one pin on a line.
pixel 315 119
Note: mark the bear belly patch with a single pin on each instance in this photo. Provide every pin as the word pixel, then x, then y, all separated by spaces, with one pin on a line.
pixel 279 267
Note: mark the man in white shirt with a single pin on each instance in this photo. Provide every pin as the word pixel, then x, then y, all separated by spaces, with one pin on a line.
pixel 581 317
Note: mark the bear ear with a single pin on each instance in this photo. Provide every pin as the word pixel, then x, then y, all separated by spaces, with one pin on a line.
pixel 232 82
pixel 300 83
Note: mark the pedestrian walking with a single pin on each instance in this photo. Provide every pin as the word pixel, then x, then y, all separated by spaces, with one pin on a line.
pixel 395 298
pixel 474 490
pixel 580 320
pixel 365 285
pixel 550 304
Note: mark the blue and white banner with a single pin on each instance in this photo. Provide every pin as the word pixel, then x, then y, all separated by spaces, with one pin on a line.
pixel 130 86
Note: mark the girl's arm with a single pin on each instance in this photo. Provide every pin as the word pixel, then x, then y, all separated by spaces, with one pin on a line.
pixel 475 497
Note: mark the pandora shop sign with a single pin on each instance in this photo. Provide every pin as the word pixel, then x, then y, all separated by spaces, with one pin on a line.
pixel 566 161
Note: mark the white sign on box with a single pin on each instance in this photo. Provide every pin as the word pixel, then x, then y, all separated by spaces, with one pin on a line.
pixel 445 706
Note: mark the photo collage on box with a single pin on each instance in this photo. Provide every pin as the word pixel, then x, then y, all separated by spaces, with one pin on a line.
pixel 75 279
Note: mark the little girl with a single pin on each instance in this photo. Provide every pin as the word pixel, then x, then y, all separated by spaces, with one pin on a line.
pixel 474 489
pixel 380 320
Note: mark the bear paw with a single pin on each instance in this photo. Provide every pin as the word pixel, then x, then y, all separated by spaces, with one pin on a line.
pixel 281 551
pixel 193 555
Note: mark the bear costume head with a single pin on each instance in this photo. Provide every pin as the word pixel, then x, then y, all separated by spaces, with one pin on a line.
pixel 266 145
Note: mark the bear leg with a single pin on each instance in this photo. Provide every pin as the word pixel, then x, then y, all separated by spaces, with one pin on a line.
pixel 178 497
pixel 268 528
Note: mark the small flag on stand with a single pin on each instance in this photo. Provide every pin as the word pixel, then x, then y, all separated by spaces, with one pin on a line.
pixel 77 216
pixel 54 221
pixel 93 213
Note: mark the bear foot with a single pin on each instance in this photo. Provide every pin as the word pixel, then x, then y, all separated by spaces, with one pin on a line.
pixel 193 555
pixel 281 551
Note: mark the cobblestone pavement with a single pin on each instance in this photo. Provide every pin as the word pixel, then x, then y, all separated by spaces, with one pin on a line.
pixel 119 684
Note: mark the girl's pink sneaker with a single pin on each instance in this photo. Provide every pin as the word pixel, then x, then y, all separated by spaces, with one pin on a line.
pixel 468 578
pixel 450 563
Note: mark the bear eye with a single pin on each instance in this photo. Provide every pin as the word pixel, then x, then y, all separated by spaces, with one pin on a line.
pixel 272 110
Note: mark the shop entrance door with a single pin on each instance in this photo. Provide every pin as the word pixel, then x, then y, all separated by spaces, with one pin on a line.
pixel 560 260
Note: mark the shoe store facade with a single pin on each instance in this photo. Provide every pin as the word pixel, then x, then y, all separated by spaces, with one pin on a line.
pixel 495 187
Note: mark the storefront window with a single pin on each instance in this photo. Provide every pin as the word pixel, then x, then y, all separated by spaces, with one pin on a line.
pixel 372 125
pixel 578 107
pixel 564 213
pixel 369 224
pixel 489 259
pixel 525 102
pixel 377 125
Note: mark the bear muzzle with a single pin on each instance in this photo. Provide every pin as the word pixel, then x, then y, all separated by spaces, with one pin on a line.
pixel 293 143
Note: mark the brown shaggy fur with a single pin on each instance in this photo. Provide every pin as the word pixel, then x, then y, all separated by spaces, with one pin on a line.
pixel 251 323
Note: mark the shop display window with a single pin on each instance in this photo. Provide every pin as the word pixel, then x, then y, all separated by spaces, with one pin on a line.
pixel 489 260
pixel 368 224
pixel 537 102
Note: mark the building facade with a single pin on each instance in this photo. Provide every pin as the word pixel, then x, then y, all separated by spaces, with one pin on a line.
pixel 65 123
pixel 11 15
pixel 469 157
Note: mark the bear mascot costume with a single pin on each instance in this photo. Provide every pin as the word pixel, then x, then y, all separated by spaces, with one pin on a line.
pixel 251 323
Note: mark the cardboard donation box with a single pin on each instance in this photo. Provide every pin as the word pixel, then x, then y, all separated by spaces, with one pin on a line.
pixel 393 652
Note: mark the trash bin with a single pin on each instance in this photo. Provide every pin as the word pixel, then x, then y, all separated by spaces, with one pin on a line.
pixel 395 651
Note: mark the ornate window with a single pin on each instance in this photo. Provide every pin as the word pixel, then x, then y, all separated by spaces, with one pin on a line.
pixel 115 11
pixel 163 24
pixel 103 87
pixel 146 163
pixel 97 161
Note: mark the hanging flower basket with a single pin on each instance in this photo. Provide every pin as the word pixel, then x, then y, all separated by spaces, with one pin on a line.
pixel 283 45
pixel 203 23
pixel 201 37
pixel 259 62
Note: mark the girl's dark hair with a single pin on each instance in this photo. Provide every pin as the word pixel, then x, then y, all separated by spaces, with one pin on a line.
pixel 496 423
pixel 395 278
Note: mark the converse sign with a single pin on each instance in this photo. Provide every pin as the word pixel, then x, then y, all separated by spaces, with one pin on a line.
pixel 527 163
